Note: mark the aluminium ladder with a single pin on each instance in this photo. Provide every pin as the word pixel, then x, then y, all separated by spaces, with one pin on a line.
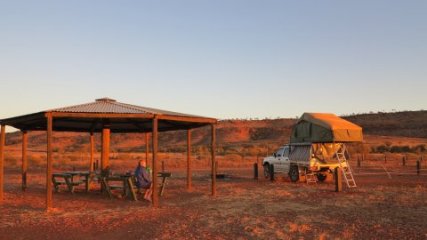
pixel 345 167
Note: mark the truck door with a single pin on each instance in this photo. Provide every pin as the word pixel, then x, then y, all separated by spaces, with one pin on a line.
pixel 279 160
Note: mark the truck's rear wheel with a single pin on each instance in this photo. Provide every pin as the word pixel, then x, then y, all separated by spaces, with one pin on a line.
pixel 294 173
pixel 266 170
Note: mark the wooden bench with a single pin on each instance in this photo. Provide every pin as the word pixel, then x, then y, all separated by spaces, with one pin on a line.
pixel 127 184
pixel 68 179
pixel 59 179
pixel 164 176
pixel 132 189
pixel 119 183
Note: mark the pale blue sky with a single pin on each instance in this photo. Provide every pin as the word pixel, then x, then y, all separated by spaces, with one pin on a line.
pixel 224 59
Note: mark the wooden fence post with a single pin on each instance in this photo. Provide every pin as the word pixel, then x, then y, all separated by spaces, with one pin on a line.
pixel 338 179
pixel 24 159
pixel 256 171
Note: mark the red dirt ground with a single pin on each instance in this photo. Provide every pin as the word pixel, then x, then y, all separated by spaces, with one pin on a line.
pixel 380 208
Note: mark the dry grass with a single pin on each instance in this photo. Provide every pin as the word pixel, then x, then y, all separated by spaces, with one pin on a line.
pixel 380 208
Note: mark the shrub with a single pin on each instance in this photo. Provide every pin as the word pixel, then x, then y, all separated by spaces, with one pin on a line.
pixel 383 149
pixel 420 148
pixel 398 149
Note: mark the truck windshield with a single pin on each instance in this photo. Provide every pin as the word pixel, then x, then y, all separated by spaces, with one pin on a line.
pixel 279 152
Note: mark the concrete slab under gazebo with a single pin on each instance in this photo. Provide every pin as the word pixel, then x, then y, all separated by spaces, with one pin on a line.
pixel 105 115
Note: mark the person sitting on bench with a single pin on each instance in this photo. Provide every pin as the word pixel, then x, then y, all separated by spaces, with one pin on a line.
pixel 143 180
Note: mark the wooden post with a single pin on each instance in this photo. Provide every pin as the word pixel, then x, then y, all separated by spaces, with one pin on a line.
pixel 155 195
pixel 338 179
pixel 92 152
pixel 418 167
pixel 2 143
pixel 105 152
pixel 147 148
pixel 256 171
pixel 189 174
pixel 24 159
pixel 49 161
pixel 213 146
pixel 257 164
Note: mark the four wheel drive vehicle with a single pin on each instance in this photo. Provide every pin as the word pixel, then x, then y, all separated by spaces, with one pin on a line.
pixel 317 146
pixel 302 158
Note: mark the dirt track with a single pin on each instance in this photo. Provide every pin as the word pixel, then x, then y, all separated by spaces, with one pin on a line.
pixel 381 208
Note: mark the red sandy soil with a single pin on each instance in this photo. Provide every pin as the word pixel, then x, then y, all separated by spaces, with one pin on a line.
pixel 380 208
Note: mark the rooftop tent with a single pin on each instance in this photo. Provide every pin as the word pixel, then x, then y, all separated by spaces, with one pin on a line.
pixel 324 128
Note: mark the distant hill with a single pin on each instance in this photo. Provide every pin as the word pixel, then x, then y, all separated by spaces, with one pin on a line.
pixel 234 135
pixel 404 124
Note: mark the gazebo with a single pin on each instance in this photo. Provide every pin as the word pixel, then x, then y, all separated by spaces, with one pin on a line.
pixel 105 115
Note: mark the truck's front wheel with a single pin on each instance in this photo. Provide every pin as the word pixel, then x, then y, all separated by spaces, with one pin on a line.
pixel 266 170
pixel 294 173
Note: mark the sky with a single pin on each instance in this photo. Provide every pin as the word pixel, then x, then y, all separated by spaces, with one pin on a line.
pixel 222 58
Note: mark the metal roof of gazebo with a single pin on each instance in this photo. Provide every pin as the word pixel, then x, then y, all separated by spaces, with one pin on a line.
pixel 105 115
pixel 122 117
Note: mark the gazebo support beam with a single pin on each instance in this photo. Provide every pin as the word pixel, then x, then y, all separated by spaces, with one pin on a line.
pixel 49 162
pixel 155 194
pixel 213 148
pixel 189 174
pixel 24 159
pixel 92 152
pixel 2 142
pixel 147 147
pixel 105 153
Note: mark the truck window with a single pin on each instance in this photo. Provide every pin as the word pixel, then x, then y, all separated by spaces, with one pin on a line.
pixel 286 152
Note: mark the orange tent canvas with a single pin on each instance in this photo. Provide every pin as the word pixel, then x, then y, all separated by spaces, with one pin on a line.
pixel 325 127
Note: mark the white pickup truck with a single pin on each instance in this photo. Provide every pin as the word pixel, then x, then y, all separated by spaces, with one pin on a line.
pixel 297 159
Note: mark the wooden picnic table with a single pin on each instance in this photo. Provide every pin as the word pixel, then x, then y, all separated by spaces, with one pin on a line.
pixel 164 176
pixel 116 182
pixel 127 184
pixel 69 179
